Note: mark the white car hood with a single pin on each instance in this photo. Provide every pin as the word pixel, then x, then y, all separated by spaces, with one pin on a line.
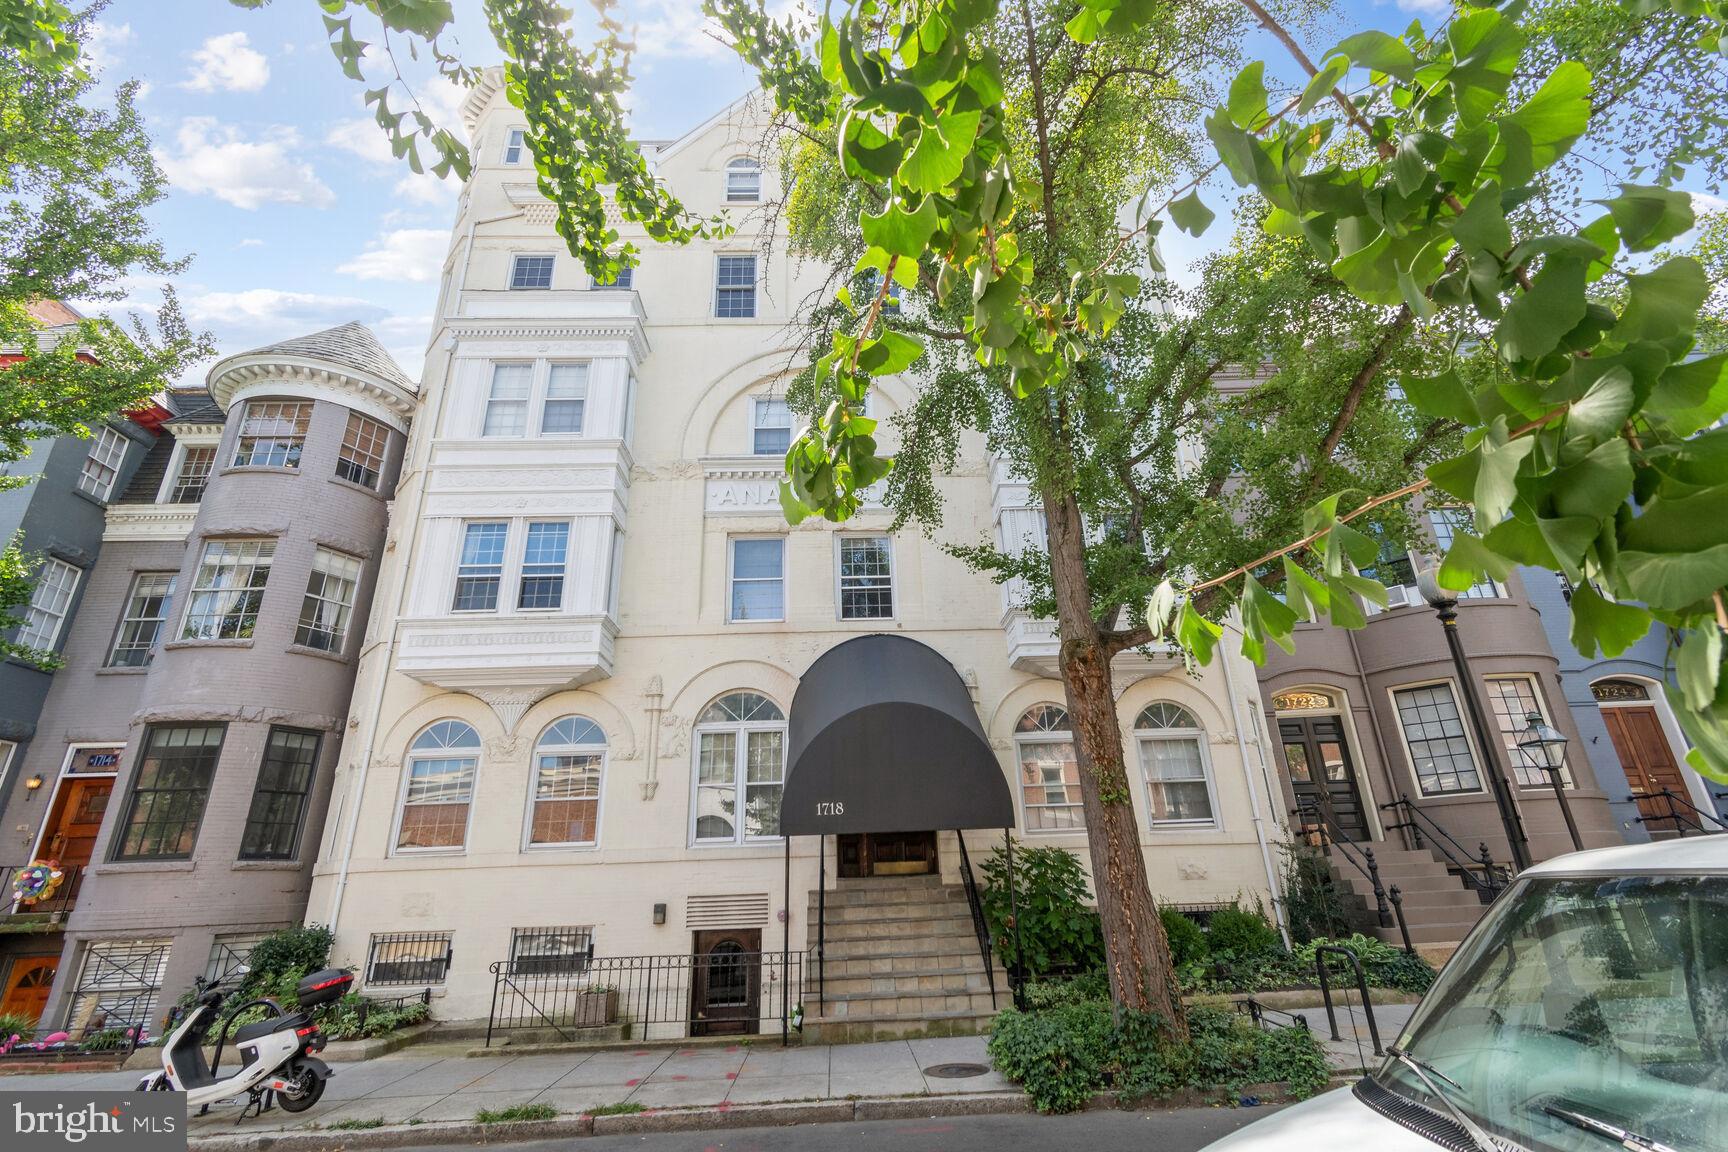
pixel 1332 1122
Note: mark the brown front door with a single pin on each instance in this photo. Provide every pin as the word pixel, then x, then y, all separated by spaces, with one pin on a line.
pixel 27 987
pixel 1648 763
pixel 726 993
pixel 887 854
pixel 1321 775
pixel 76 820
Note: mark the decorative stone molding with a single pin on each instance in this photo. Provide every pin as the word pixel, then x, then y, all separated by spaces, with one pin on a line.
pixel 149 521
pixel 517 660
pixel 615 327
pixel 509 705
pixel 654 705
pixel 250 374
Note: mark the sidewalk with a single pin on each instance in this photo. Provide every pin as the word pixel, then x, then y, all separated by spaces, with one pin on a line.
pixel 1354 1051
pixel 427 1088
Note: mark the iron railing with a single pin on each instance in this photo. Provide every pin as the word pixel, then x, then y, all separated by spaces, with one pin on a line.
pixel 1267 1018
pixel 1320 954
pixel 651 997
pixel 1682 813
pixel 24 915
pixel 92 1041
pixel 1478 871
pixel 980 926
pixel 408 958
pixel 1361 856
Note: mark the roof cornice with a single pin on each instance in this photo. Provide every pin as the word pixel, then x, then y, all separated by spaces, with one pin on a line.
pixel 247 369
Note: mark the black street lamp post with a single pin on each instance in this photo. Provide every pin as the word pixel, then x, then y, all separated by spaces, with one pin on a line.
pixel 1445 605
pixel 1545 748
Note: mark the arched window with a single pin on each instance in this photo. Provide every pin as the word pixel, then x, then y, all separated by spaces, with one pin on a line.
pixel 1049 775
pixel 740 766
pixel 743 181
pixel 438 788
pixel 569 760
pixel 1173 762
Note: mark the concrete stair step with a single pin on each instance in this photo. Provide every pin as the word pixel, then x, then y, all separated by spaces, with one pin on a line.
pixel 941 982
pixel 957 954
pixel 1453 898
pixel 860 883
pixel 921 894
pixel 1425 882
pixel 849 1006
pixel 871 913
pixel 902 928
pixel 818 1030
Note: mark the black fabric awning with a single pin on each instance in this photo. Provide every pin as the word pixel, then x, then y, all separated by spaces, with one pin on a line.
pixel 883 737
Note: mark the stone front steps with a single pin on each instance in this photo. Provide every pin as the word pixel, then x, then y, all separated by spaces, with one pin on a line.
pixel 1438 907
pixel 902 962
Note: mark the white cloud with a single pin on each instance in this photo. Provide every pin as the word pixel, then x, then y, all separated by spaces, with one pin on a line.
pixel 1703 202
pixel 227 63
pixel 674 28
pixel 1435 8
pixel 214 159
pixel 412 254
pixel 285 313
pixel 250 242
pixel 426 189
pixel 362 138
pixel 102 43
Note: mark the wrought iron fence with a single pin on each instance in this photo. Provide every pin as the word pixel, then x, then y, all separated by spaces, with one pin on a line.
pixel 408 958
pixel 650 997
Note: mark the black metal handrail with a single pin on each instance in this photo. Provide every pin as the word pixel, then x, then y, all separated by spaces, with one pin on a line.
pixel 980 926
pixel 1677 818
pixel 1494 877
pixel 1320 955
pixel 1361 856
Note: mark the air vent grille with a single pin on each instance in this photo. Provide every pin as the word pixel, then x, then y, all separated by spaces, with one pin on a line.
pixel 749 910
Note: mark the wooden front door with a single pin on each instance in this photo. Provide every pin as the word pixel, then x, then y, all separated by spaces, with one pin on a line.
pixel 1321 774
pixel 1649 765
pixel 27 987
pixel 886 854
pixel 726 992
pixel 76 820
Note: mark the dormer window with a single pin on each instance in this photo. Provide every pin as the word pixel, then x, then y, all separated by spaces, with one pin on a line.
pixel 514 146
pixel 743 181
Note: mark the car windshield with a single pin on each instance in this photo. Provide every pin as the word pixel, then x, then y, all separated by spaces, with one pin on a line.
pixel 1603 998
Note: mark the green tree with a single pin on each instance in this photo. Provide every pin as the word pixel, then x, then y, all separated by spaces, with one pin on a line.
pixel 76 178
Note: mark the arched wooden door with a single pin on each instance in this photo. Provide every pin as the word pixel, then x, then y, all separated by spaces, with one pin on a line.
pixel 726 991
pixel 27 987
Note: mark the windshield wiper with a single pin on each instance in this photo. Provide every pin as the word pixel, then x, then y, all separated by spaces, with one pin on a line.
pixel 1628 1139
pixel 1426 1073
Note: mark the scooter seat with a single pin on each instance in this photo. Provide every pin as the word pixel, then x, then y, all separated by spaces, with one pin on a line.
pixel 252 1031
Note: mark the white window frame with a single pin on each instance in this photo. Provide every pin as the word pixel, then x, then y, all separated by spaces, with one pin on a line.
pixel 65 588
pixel 1042 737
pixel 603 749
pixel 345 608
pixel 740 770
pixel 755 285
pixel 511 567
pixel 370 429
pixel 516 259
pixel 887 540
pixel 760 404
pixel 626 281
pixel 1478 759
pixel 742 166
pixel 126 618
pixel 503 567
pixel 785 582
pixel 542 395
pixel 515 145
pixel 198 568
pixel 1516 756
pixel 1145 736
pixel 539 385
pixel 521 567
pixel 177 466
pixel 408 759
pixel 107 452
pixel 291 460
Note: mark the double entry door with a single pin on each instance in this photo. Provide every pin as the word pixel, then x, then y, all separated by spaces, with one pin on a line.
pixel 1321 773
pixel 1649 765
pixel 886 854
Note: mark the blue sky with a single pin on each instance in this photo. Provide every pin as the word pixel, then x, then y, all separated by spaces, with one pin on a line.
pixel 286 195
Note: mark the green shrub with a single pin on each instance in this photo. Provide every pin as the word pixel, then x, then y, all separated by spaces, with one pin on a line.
pixel 1187 940
pixel 1227 1050
pixel 1313 907
pixel 279 961
pixel 349 1019
pixel 1056 1054
pixel 1241 934
pixel 15 1024
pixel 1059 931
pixel 1093 985
pixel 1383 965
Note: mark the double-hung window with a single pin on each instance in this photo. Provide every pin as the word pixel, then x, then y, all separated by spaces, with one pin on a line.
pixel 740 769
pixel 566 397
pixel 758 579
pixel 50 604
pixel 515 146
pixel 480 570
pixel 279 800
pixel 543 559
pixel 735 287
pixel 329 603
pixel 1440 753
pixel 168 797
pixel 1513 699
pixel 530 273
pixel 866 578
pixel 569 758
pixel 438 787
pixel 102 464
pixel 770 426
pixel 743 181
pixel 507 401
pixel 361 459
pixel 228 590
pixel 196 462
pixel 141 624
pixel 1049 772
pixel 1173 761
pixel 623 282
pixel 273 434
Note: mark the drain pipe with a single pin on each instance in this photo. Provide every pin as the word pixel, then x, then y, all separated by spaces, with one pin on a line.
pixel 1278 910
pixel 407 558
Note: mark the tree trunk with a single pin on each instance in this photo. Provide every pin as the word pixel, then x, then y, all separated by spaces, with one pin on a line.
pixel 1137 955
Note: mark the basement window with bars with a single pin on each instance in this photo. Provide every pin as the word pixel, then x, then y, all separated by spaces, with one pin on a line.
pixel 567 951
pixel 408 958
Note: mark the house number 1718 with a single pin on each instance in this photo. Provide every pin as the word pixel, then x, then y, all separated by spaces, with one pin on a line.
pixel 831 808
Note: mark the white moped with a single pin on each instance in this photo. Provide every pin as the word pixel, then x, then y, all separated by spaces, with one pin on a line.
pixel 277 1053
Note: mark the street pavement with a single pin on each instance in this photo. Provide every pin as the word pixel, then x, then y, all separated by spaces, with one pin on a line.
pixel 1178 1130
